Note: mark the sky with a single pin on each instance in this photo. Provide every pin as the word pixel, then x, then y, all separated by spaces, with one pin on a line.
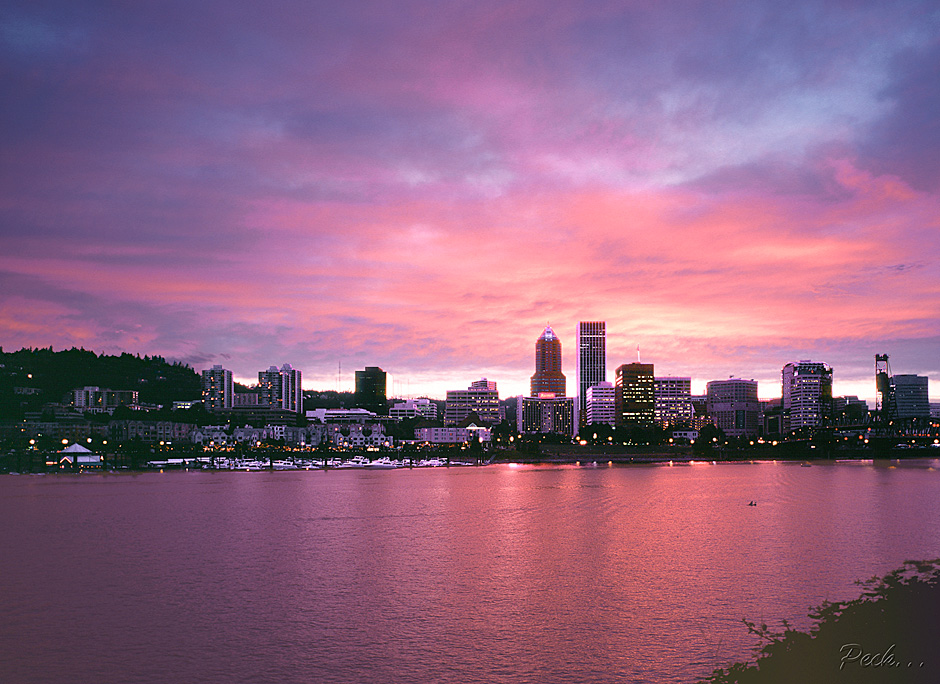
pixel 424 185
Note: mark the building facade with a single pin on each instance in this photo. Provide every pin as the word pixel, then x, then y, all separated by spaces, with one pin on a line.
pixel 673 401
pixel 601 405
pixel 480 398
pixel 280 389
pixel 217 389
pixel 635 396
pixel 806 396
pixel 733 406
pixel 548 377
pixel 591 369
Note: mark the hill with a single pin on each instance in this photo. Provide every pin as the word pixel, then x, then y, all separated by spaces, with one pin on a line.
pixel 31 377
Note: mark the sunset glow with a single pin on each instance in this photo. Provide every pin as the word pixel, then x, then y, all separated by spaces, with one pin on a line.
pixel 423 186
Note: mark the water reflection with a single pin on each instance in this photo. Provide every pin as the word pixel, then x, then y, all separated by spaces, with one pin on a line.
pixel 513 574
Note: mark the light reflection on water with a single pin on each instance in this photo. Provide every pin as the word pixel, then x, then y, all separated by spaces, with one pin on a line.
pixel 497 574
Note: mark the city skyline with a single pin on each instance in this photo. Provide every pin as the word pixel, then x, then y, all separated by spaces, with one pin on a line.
pixel 423 188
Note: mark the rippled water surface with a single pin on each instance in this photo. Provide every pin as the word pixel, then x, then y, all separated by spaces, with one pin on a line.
pixel 495 574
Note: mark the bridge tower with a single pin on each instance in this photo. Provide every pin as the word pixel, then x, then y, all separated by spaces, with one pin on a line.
pixel 886 409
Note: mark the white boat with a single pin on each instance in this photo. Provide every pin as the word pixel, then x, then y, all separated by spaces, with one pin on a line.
pixel 384 463
pixel 284 465
pixel 355 462
pixel 431 463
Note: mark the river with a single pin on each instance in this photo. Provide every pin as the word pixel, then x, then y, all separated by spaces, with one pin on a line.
pixel 478 574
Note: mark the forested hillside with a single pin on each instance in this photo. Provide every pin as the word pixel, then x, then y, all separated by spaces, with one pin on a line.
pixel 37 376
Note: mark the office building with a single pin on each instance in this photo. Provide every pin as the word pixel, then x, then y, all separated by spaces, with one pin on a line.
pixel 548 378
pixel 414 408
pixel 733 406
pixel 545 415
pixel 591 369
pixel 673 402
pixel 601 405
pixel 480 398
pixel 279 388
pixel 217 389
pixel 635 396
pixel 370 390
pixel 911 396
pixel 806 396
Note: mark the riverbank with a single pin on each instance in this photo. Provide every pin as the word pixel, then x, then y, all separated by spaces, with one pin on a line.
pixel 888 634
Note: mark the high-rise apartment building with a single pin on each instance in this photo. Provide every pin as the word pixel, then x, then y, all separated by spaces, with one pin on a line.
pixel 911 396
pixel 217 389
pixel 591 342
pixel 280 389
pixel 635 395
pixel 807 396
pixel 370 390
pixel 601 404
pixel 548 378
pixel 733 406
pixel 480 398
pixel 673 402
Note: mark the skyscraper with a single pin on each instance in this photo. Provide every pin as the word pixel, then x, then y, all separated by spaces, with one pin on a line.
pixel 217 389
pixel 280 388
pixel 635 395
pixel 807 396
pixel 370 390
pixel 548 378
pixel 592 361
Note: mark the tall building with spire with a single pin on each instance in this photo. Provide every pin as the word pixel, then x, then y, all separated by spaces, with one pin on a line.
pixel 591 342
pixel 548 378
pixel 547 410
